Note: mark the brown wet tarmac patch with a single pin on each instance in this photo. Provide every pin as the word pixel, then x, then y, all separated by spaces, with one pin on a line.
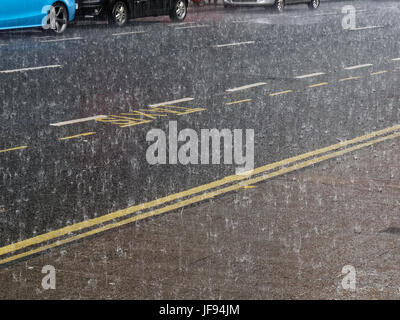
pixel 288 238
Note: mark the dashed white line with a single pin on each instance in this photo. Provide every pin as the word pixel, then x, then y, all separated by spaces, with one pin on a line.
pixel 247 86
pixel 171 102
pixel 233 44
pixel 127 33
pixel 310 75
pixel 359 66
pixel 180 24
pixel 191 27
pixel 31 69
pixel 365 28
pixel 396 59
pixel 326 14
pixel 64 39
pixel 44 37
pixel 64 123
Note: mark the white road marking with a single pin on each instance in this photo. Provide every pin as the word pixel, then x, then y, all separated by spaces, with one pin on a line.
pixel 242 21
pixel 329 13
pixel 31 69
pixel 365 28
pixel 179 24
pixel 191 27
pixel 64 123
pixel 396 59
pixel 310 75
pixel 326 14
pixel 127 33
pixel 246 87
pixel 64 39
pixel 171 102
pixel 44 37
pixel 233 44
pixel 359 66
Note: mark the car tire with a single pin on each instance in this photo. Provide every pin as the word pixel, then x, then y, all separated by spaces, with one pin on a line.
pixel 179 11
pixel 279 6
pixel 58 19
pixel 314 4
pixel 119 13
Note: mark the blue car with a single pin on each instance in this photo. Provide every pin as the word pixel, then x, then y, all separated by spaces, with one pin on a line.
pixel 49 14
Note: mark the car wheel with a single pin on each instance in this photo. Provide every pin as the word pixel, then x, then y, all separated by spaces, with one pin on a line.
pixel 314 4
pixel 179 11
pixel 119 13
pixel 58 18
pixel 279 5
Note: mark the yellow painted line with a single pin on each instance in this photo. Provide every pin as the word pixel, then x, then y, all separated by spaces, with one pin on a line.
pixel 379 72
pixel 12 149
pixel 279 93
pixel 202 197
pixel 350 78
pixel 249 187
pixel 78 135
pixel 239 101
pixel 218 183
pixel 318 85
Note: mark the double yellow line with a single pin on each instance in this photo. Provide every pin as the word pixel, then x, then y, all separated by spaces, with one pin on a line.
pixel 190 196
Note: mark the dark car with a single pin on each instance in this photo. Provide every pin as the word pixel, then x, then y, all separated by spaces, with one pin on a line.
pixel 120 11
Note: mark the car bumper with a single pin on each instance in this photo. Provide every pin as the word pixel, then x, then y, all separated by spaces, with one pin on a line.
pixel 249 3
pixel 89 8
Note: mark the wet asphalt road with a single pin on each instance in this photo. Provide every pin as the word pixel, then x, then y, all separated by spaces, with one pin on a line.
pixel 103 70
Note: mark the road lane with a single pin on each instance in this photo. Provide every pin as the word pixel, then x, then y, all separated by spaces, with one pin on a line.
pixel 72 181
